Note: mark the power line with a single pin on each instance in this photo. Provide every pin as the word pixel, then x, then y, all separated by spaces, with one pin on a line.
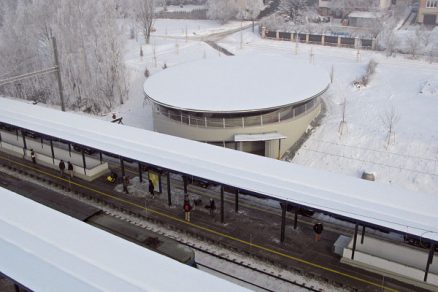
pixel 375 150
pixel 28 75
pixel 371 162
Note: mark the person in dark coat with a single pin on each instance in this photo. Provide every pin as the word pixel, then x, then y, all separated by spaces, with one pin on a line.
pixel 70 169
pixel 61 167
pixel 187 208
pixel 318 228
pixel 151 188
pixel 125 184
pixel 32 156
pixel 212 207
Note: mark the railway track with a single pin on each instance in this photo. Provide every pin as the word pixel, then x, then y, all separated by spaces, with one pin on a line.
pixel 219 253
pixel 248 275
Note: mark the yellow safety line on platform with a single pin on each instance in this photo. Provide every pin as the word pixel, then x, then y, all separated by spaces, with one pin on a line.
pixel 205 228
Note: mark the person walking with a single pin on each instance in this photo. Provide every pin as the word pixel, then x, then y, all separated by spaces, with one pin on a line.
pixel 151 189
pixel 212 207
pixel 187 208
pixel 125 184
pixel 61 167
pixel 70 169
pixel 32 156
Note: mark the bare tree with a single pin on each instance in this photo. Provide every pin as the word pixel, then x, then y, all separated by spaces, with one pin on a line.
pixel 413 44
pixel 223 10
pixel 92 69
pixel 389 119
pixel 343 124
pixel 294 9
pixel 249 10
pixel 387 39
pixel 146 16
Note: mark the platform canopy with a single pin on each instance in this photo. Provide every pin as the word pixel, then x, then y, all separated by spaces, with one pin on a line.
pixel 45 250
pixel 237 84
pixel 360 200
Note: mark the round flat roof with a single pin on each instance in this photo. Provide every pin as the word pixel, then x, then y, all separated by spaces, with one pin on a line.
pixel 236 84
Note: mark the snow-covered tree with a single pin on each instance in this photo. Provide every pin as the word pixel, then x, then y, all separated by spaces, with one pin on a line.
pixel 294 9
pixel 146 15
pixel 389 119
pixel 223 10
pixel 249 10
pixel 88 44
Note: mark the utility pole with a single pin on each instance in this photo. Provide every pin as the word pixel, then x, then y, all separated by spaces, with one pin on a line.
pixel 58 70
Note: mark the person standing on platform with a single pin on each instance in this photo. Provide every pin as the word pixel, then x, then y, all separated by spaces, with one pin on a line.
pixel 32 156
pixel 187 208
pixel 70 169
pixel 125 184
pixel 151 189
pixel 212 207
pixel 318 228
pixel 61 167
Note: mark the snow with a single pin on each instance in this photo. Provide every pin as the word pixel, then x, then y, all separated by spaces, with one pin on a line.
pixel 364 14
pixel 44 250
pixel 183 8
pixel 140 189
pixel 372 202
pixel 408 85
pixel 237 84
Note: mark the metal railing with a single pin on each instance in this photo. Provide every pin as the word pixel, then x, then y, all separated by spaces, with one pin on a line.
pixel 237 122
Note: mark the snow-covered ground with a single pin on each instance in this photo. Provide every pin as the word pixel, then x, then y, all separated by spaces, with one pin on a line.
pixel 408 87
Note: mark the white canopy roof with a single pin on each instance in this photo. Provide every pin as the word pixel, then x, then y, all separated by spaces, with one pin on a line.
pixel 236 84
pixel 372 202
pixel 46 250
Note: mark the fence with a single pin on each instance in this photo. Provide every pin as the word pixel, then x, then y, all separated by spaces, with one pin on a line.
pixel 193 14
pixel 320 39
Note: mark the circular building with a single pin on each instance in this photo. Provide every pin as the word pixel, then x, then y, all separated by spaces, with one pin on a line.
pixel 256 104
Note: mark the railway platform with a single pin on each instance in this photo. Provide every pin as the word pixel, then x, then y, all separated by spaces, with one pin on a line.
pixel 253 228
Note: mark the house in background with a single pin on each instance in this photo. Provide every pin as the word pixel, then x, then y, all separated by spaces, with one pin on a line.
pixel 341 8
pixel 428 12
pixel 363 18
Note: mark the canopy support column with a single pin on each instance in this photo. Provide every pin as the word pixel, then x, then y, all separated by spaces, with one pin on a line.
pixel 429 260
pixel 24 144
pixel 53 152
pixel 354 241
pixel 185 184
pixel 222 204
pixel 283 221
pixel 122 166
pixel 140 173
pixel 169 195
pixel 84 163
pixel 296 219
pixel 236 203
pixel 363 234
pixel 24 141
pixel 100 157
pixel 69 149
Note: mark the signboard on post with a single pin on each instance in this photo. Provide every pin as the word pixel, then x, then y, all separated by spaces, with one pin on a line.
pixel 155 178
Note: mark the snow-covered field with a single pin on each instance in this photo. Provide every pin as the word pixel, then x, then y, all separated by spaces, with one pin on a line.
pixel 407 87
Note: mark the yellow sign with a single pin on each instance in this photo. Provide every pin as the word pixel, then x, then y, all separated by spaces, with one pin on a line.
pixel 155 178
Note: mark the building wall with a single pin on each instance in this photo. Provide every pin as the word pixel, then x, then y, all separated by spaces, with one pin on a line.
pixel 424 10
pixel 340 8
pixel 292 128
